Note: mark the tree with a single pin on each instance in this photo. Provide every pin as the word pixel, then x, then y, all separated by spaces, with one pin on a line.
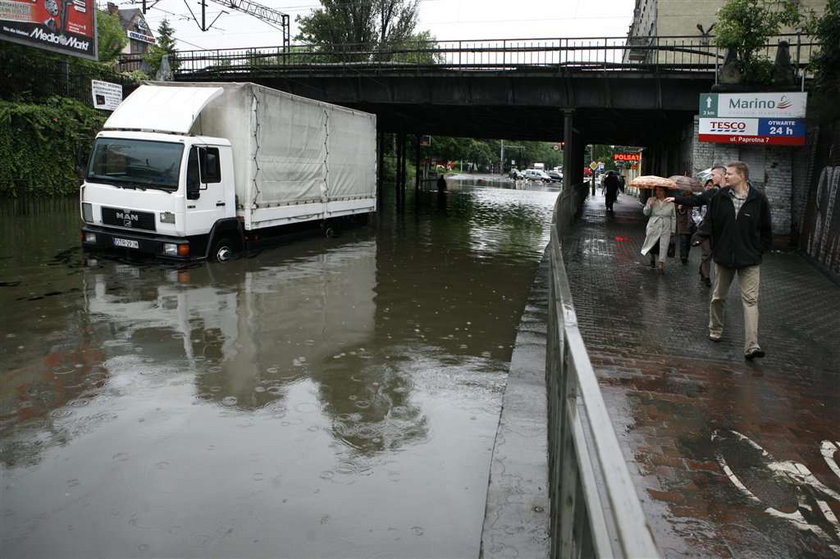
pixel 419 48
pixel 165 47
pixel 745 26
pixel 826 63
pixel 111 38
pixel 361 25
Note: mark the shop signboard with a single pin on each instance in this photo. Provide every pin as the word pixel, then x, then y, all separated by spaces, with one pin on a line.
pixel 753 118
pixel 619 156
pixel 65 26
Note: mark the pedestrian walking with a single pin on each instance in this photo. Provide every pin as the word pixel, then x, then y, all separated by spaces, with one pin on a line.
pixel 441 184
pixel 739 227
pixel 712 187
pixel 662 223
pixel 685 229
pixel 611 185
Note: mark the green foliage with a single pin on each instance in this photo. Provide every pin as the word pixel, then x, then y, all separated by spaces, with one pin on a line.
pixel 419 48
pixel 367 28
pixel 29 74
pixel 745 26
pixel 136 76
pixel 45 146
pixel 487 153
pixel 826 63
pixel 165 47
pixel 111 39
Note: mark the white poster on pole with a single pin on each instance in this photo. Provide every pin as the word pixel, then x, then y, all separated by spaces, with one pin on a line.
pixel 106 95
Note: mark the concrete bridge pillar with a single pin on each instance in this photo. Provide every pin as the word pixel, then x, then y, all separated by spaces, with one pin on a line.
pixel 399 182
pixel 380 161
pixel 572 151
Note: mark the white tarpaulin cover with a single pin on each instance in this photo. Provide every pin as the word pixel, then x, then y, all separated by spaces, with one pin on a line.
pixel 292 150
pixel 161 109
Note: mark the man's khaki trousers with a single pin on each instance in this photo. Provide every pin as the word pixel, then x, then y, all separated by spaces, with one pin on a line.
pixel 748 281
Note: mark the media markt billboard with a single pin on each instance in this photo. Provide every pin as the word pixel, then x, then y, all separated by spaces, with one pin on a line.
pixel 753 118
pixel 66 26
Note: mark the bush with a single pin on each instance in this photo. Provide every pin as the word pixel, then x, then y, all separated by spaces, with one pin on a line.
pixel 44 147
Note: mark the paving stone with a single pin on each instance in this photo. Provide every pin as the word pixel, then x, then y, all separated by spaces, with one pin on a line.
pixel 677 399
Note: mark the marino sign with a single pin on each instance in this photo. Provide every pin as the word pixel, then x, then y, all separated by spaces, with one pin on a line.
pixel 65 26
pixel 753 118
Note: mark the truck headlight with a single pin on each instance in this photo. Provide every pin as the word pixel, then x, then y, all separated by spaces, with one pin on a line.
pixel 87 212
pixel 90 238
pixel 167 217
pixel 173 249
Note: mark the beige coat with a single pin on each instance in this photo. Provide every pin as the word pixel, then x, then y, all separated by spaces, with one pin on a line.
pixel 661 225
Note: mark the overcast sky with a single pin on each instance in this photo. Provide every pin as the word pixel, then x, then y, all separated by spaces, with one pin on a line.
pixel 446 19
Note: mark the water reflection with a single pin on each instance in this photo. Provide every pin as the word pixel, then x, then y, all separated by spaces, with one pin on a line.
pixel 349 375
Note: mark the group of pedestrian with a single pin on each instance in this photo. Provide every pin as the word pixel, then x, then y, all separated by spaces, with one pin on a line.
pixel 730 221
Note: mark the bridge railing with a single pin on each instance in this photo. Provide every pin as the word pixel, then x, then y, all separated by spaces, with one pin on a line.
pixel 672 54
pixel 595 511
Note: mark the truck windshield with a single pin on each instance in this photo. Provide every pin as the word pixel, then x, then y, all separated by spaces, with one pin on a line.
pixel 131 163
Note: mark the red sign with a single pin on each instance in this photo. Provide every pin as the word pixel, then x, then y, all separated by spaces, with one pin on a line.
pixel 627 157
pixel 753 140
pixel 65 26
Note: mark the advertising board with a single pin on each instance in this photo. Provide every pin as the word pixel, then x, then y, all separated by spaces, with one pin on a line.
pixel 619 156
pixel 753 118
pixel 65 26
pixel 106 95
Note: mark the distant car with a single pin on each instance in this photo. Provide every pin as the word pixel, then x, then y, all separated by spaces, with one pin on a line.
pixel 555 175
pixel 537 175
pixel 516 174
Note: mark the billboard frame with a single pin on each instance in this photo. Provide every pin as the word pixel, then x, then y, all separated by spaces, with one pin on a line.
pixel 22 32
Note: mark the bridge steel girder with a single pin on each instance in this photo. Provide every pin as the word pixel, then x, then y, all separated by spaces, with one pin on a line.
pixel 609 107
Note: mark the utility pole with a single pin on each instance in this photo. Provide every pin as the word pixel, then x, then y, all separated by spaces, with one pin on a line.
pixel 502 158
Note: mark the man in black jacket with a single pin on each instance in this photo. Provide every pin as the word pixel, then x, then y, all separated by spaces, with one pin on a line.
pixel 739 227
pixel 702 199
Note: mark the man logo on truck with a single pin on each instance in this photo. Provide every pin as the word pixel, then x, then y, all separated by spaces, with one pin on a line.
pixel 127 217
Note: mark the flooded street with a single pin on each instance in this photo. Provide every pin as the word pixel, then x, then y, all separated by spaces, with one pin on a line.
pixel 327 398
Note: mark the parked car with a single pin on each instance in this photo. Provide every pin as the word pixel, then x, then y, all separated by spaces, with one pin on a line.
pixel 555 176
pixel 537 175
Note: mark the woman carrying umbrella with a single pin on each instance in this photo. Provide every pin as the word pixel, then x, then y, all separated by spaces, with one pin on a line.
pixel 662 222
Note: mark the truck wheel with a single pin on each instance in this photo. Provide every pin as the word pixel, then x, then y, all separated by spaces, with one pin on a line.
pixel 222 250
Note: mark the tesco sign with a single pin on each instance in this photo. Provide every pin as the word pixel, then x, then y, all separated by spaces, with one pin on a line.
pixel 743 126
pixel 726 126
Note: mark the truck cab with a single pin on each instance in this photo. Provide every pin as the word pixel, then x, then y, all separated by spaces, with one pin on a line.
pixel 157 193
pixel 160 192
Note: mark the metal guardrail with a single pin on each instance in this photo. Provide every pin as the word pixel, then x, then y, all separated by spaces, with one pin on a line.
pixel 672 54
pixel 595 511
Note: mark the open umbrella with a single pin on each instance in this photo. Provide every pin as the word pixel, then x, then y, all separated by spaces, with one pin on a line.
pixel 687 183
pixel 652 181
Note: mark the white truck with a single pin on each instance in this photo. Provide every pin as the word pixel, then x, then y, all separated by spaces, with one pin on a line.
pixel 201 170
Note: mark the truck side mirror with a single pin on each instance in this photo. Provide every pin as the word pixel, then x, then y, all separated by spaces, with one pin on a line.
pixel 193 176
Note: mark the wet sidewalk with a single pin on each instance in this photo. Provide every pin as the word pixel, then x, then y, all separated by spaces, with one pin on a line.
pixel 730 458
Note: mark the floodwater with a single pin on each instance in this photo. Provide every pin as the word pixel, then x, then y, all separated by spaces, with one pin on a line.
pixel 324 398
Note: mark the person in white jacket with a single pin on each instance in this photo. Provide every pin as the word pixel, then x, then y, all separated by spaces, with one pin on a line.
pixel 661 225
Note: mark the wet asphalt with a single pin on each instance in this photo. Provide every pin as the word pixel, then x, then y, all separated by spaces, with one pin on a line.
pixel 730 458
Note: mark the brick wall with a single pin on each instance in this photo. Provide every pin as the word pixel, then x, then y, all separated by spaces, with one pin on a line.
pixel 771 169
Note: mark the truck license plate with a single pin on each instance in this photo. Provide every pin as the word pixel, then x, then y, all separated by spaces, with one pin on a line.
pixel 128 243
